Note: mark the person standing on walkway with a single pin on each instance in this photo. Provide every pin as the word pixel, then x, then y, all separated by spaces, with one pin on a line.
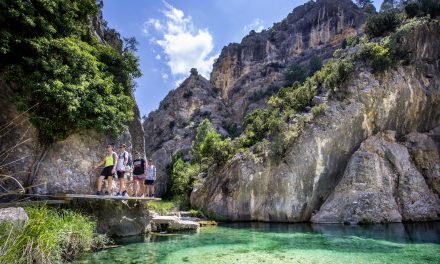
pixel 150 178
pixel 107 173
pixel 139 173
pixel 120 169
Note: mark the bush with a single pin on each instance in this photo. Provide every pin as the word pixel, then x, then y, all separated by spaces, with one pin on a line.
pixel 260 124
pixel 381 24
pixel 295 73
pixel 318 110
pixel 315 64
pixel 49 236
pixel 187 94
pixel 377 56
pixel 423 8
pixel 183 177
pixel 333 75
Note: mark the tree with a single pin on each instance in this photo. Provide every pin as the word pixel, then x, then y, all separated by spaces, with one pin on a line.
pixel 295 73
pixel 364 3
pixel 315 64
pixel 52 60
pixel 387 5
pixel 381 24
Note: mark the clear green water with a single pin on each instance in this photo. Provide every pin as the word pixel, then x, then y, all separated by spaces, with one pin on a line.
pixel 284 243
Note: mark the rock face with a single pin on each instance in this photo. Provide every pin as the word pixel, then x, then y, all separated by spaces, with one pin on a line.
pixel 382 184
pixel 245 75
pixel 258 63
pixel 171 128
pixel 115 218
pixel 267 188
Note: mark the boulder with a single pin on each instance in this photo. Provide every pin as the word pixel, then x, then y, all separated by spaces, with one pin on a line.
pixel 115 218
pixel 380 184
pixel 13 214
pixel 172 224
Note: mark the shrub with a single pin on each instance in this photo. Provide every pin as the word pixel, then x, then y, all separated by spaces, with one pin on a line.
pixel 423 8
pixel 183 177
pixel 49 236
pixel 315 64
pixel 377 56
pixel 161 207
pixel 260 94
pixel 381 24
pixel 295 73
pixel 187 94
pixel 208 147
pixel 333 75
pixel 259 124
pixel 318 110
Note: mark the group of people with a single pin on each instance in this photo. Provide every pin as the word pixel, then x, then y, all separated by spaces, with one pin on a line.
pixel 120 165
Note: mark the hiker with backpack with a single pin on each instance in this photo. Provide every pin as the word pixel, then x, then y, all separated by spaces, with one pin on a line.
pixel 120 169
pixel 109 162
pixel 139 173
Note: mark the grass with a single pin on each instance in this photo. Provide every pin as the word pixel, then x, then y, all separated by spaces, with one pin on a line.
pixel 49 236
pixel 162 207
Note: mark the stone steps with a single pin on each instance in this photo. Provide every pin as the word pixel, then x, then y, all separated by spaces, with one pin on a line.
pixel 161 223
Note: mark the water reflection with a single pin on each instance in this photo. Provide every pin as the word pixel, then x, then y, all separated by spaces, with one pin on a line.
pixel 424 232
pixel 282 243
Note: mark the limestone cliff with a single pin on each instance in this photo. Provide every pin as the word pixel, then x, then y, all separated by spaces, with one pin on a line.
pixel 380 183
pixel 254 66
pixel 260 60
pixel 171 128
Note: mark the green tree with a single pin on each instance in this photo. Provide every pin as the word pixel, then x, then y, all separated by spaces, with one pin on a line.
pixel 315 64
pixel 53 62
pixel 202 130
pixel 295 73
pixel 381 24
pixel 364 3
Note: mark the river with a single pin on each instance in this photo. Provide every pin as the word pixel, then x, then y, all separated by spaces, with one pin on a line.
pixel 283 243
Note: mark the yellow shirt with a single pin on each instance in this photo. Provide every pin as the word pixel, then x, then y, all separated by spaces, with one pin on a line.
pixel 109 160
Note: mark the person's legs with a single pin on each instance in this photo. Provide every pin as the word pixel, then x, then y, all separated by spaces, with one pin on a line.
pixel 122 185
pixel 142 187
pixel 135 182
pixel 100 178
pixel 109 184
pixel 152 190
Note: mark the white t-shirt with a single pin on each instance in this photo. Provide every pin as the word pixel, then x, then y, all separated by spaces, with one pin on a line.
pixel 151 169
pixel 121 157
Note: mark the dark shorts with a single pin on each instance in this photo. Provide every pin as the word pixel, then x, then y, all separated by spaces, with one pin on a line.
pixel 149 182
pixel 107 171
pixel 120 174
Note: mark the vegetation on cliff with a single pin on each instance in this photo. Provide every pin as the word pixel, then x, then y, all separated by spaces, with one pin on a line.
pixel 60 72
pixel 272 129
pixel 49 236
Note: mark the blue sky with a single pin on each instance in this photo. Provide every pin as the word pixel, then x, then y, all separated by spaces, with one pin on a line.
pixel 175 36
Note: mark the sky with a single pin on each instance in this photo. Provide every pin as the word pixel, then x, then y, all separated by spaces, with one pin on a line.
pixel 177 35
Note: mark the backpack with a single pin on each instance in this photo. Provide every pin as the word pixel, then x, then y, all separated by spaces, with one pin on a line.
pixel 129 160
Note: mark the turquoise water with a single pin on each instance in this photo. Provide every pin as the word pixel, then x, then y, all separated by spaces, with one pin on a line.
pixel 283 243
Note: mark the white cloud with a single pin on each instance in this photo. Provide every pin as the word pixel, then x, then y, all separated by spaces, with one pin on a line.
pixel 158 57
pixel 165 77
pixel 184 45
pixel 257 25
